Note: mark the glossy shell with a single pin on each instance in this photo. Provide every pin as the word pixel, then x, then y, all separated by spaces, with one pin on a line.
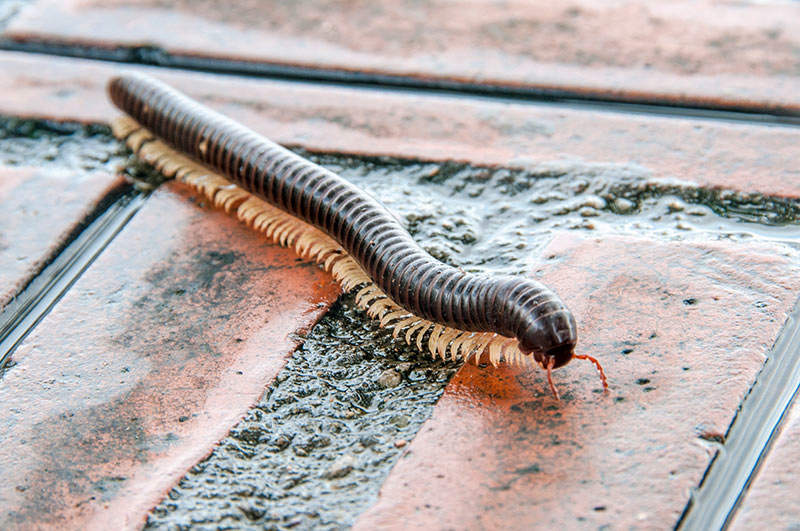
pixel 509 306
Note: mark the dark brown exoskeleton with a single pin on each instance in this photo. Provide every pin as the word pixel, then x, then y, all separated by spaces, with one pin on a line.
pixel 512 307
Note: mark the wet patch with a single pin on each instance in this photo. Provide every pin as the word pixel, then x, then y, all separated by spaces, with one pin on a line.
pixel 72 146
pixel 98 432
pixel 496 219
pixel 44 144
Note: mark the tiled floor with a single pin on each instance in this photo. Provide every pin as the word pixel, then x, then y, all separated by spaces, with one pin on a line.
pixel 146 362
pixel 709 54
pixel 770 500
pixel 35 225
pixel 186 318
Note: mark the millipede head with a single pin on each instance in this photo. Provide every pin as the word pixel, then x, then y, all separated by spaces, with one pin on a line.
pixel 540 321
pixel 553 338
pixel 558 356
pixel 555 357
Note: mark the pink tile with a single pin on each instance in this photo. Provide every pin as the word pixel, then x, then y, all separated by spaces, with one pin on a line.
pixel 737 156
pixel 734 54
pixel 771 501
pixel 41 207
pixel 163 344
pixel 682 329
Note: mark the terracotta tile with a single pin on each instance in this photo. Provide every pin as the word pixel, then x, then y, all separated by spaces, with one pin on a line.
pixel 147 361
pixel 737 156
pixel 771 501
pixel 686 52
pixel 41 207
pixel 682 330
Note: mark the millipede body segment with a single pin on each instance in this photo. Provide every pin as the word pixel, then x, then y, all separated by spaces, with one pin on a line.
pixel 346 230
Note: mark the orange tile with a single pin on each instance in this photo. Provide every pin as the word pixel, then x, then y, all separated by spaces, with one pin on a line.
pixel 771 501
pixel 151 357
pixel 720 54
pixel 682 330
pixel 41 208
pixel 737 156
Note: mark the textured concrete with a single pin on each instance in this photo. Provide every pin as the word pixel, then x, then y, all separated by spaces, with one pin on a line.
pixel 687 52
pixel 772 501
pixel 737 156
pixel 149 360
pixel 682 330
pixel 40 208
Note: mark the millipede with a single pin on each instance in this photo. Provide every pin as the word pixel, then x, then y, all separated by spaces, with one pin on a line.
pixel 323 217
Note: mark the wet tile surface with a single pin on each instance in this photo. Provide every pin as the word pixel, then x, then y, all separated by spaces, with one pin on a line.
pixel 486 219
pixel 682 330
pixel 771 501
pixel 186 333
pixel 698 53
pixel 738 156
pixel 41 207
pixel 148 361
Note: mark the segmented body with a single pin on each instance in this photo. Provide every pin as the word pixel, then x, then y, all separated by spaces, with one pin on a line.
pixel 413 280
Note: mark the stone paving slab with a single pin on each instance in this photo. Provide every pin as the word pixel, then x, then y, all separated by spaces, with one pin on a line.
pixel 146 362
pixel 41 207
pixel 682 330
pixel 706 53
pixel 738 156
pixel 772 501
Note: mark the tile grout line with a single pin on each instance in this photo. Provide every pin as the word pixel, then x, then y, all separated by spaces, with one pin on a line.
pixel 154 56
pixel 751 435
pixel 30 306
